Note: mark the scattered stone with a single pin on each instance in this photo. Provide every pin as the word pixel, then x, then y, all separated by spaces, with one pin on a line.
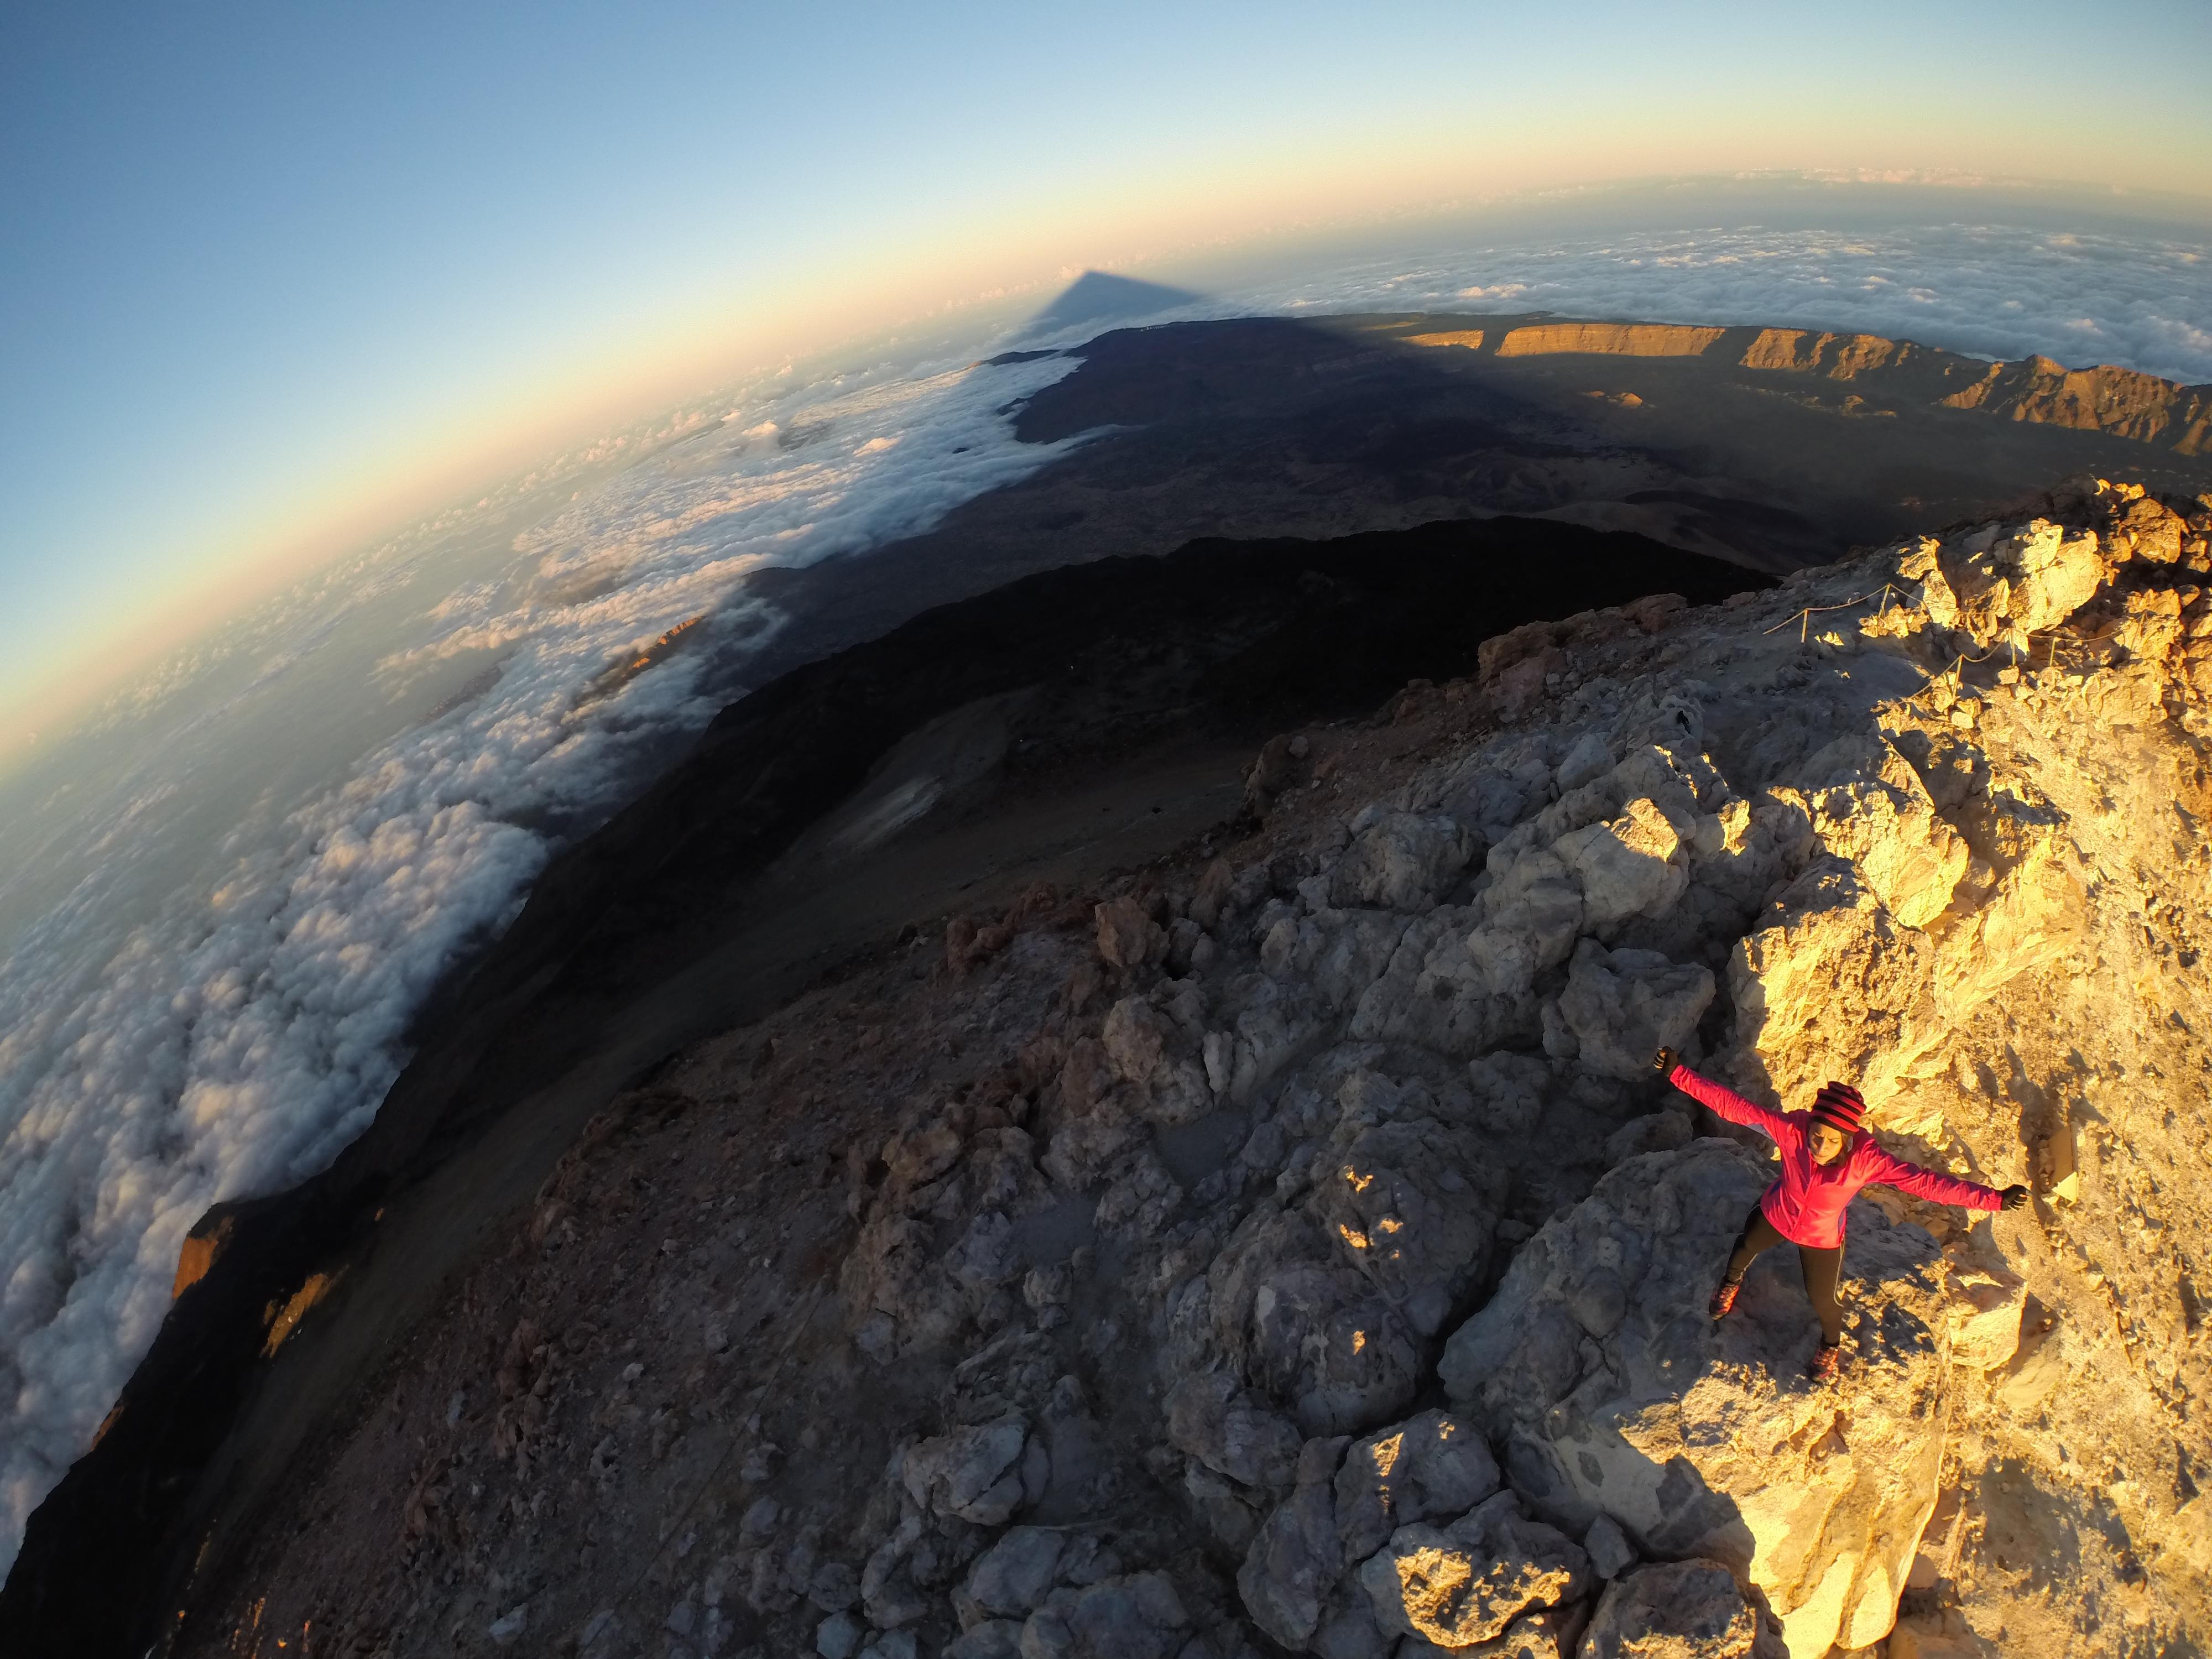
pixel 1129 939
pixel 1679 1610
pixel 1138 1617
pixel 1013 1577
pixel 1610 1552
pixel 839 1636
pixel 994 1638
pixel 972 1474
pixel 834 1587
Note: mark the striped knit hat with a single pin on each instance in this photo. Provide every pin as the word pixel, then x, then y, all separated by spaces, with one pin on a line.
pixel 1840 1104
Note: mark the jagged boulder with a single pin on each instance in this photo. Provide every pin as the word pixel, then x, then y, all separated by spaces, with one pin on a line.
pixel 1136 1617
pixel 1834 945
pixel 1412 1203
pixel 1869 805
pixel 1635 864
pixel 1595 1369
pixel 1441 991
pixel 1338 953
pixel 2003 583
pixel 1306 1328
pixel 1400 860
pixel 1231 1430
pixel 1431 1465
pixel 981 1474
pixel 1013 1576
pixel 1292 1567
pixel 1464 1583
pixel 1148 1050
pixel 1619 1006
pixel 1679 1610
pixel 1128 938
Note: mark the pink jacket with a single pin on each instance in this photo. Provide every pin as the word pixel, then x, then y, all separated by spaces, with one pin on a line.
pixel 1807 1204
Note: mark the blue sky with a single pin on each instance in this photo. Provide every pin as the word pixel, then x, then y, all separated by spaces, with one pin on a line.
pixel 278 273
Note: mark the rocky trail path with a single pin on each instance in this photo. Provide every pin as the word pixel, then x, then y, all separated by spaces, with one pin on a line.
pixel 1286 1248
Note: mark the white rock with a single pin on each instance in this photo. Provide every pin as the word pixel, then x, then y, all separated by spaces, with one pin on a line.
pixel 1231 1430
pixel 1412 1204
pixel 1309 1330
pixel 509 1625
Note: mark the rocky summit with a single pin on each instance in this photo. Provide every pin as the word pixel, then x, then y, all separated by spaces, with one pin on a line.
pixel 1286 1247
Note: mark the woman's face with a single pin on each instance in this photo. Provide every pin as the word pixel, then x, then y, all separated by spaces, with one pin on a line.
pixel 1827 1142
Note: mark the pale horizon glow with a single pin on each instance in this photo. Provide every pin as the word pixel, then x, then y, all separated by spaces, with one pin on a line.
pixel 242 346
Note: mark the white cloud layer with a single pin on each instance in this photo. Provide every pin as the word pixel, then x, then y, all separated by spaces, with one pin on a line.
pixel 1992 290
pixel 233 1040
pixel 210 1006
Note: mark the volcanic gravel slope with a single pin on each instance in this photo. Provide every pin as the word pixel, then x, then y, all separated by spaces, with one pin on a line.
pixel 1285 1246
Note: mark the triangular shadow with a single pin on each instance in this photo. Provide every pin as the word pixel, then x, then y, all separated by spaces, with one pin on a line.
pixel 1099 296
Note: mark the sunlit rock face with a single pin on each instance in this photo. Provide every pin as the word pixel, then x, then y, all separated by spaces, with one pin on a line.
pixel 1608 1391
pixel 1299 1253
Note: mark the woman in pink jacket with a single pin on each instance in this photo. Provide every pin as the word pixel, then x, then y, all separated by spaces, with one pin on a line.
pixel 1825 1158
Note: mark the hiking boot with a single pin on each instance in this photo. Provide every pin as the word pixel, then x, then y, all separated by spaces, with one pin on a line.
pixel 1724 1302
pixel 1827 1360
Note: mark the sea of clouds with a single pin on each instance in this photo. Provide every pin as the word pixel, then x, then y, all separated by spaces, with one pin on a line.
pixel 233 1040
pixel 1993 290
pixel 163 1049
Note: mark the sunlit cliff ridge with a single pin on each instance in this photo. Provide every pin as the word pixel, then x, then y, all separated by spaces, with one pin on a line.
pixel 1288 1248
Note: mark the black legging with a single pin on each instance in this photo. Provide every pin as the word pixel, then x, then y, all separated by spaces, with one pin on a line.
pixel 1821 1269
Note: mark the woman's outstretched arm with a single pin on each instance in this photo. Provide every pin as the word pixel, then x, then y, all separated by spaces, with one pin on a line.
pixel 1935 1187
pixel 1725 1102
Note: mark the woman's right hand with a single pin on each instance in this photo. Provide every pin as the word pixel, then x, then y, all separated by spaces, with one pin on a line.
pixel 1665 1061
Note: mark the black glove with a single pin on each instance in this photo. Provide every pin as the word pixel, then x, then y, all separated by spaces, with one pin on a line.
pixel 2015 1196
pixel 1665 1061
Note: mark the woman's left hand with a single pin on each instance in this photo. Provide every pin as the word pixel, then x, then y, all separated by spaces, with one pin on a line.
pixel 2015 1196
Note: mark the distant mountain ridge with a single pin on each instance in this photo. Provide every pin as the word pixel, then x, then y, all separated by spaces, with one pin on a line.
pixel 2125 402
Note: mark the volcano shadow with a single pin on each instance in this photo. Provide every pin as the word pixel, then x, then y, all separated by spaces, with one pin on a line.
pixel 1099 297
